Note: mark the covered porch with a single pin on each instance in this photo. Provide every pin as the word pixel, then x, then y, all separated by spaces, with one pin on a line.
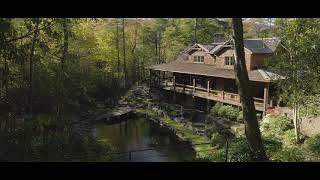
pixel 213 88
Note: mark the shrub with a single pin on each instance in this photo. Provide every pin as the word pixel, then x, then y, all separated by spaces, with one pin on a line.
pixel 222 111
pixel 313 144
pixel 289 137
pixel 240 117
pixel 231 112
pixel 272 146
pixel 214 110
pixel 217 140
pixel 275 126
pixel 289 154
pixel 215 156
pixel 239 150
pixel 210 129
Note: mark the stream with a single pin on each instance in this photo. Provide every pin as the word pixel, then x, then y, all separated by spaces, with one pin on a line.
pixel 156 143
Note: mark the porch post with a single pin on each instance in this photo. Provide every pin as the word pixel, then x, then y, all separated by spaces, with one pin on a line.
pixel 184 85
pixel 208 87
pixel 174 83
pixel 222 93
pixel 194 85
pixel 265 98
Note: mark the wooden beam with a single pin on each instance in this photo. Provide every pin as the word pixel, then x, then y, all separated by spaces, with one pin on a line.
pixel 194 85
pixel 174 83
pixel 222 92
pixel 208 87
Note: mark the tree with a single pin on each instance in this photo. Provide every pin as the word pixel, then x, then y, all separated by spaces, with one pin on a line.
pixel 117 46
pixel 62 69
pixel 195 31
pixel 298 63
pixel 34 39
pixel 124 53
pixel 245 90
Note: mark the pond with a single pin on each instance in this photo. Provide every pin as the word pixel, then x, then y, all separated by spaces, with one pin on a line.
pixel 156 143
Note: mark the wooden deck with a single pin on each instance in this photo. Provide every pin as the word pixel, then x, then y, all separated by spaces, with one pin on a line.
pixel 215 95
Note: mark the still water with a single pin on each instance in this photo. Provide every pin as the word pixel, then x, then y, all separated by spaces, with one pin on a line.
pixel 139 134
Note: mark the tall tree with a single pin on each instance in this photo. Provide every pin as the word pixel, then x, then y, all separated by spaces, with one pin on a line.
pixel 64 52
pixel 124 53
pixel 245 90
pixel 32 51
pixel 117 46
pixel 195 31
pixel 133 50
pixel 299 64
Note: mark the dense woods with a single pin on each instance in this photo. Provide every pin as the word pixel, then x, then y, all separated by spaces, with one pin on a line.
pixel 48 63
pixel 55 66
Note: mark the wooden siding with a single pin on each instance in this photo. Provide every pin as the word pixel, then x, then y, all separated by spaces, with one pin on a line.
pixel 253 61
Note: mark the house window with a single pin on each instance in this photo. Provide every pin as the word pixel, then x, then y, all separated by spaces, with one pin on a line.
pixel 198 59
pixel 229 60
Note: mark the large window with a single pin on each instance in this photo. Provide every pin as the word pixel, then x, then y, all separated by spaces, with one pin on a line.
pixel 229 60
pixel 198 59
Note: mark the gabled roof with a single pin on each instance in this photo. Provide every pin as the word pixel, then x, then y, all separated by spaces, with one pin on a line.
pixel 272 43
pixel 219 47
pixel 209 47
pixel 255 46
pixel 177 66
pixel 196 45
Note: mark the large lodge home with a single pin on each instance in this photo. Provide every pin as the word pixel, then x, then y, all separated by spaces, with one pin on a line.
pixel 206 71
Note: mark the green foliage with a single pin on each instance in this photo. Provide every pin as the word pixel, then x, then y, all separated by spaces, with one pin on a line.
pixel 217 140
pixel 272 146
pixel 214 110
pixel 215 155
pixel 240 117
pixel 289 137
pixel 239 150
pixel 292 154
pixel 227 111
pixel 313 144
pixel 299 63
pixel 275 126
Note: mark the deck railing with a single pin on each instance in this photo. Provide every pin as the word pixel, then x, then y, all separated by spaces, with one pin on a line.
pixel 217 95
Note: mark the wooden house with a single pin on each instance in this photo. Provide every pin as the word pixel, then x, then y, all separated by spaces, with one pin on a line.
pixel 207 71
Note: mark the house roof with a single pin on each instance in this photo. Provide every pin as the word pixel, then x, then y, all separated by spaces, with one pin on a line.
pixel 209 47
pixel 263 46
pixel 178 66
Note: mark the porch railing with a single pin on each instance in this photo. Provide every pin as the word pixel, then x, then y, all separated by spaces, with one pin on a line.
pixel 214 94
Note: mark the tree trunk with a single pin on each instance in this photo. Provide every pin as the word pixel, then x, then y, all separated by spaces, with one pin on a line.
pixel 117 46
pixel 245 90
pixel 62 68
pixel 133 51
pixel 124 53
pixel 34 39
pixel 159 48
pixel 195 31
pixel 296 121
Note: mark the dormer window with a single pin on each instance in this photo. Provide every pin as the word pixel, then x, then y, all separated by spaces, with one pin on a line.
pixel 198 59
pixel 229 60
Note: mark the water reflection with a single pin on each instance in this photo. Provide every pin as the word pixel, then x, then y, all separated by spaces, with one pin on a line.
pixel 143 134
